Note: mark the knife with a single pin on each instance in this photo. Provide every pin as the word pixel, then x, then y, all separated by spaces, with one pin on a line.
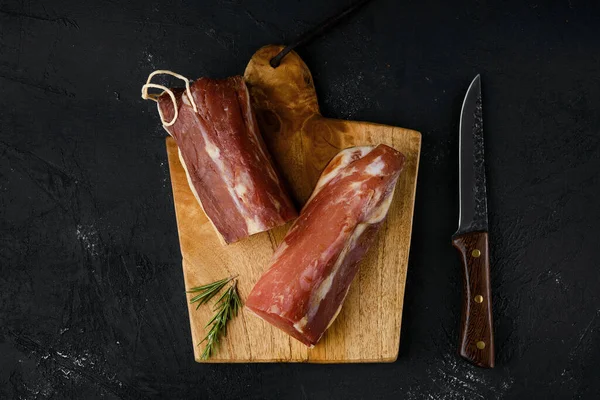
pixel 471 238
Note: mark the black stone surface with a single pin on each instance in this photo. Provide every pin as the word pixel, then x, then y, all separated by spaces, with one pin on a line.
pixel 92 301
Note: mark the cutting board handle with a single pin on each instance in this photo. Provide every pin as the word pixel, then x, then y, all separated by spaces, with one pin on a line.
pixel 476 331
pixel 287 90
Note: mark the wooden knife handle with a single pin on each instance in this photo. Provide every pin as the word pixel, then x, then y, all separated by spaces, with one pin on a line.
pixel 476 332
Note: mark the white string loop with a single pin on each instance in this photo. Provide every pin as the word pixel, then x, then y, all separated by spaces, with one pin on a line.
pixel 154 97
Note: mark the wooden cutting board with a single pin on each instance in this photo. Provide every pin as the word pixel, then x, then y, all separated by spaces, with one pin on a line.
pixel 302 142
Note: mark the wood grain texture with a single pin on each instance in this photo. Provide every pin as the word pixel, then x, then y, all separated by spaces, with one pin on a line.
pixel 302 142
pixel 476 330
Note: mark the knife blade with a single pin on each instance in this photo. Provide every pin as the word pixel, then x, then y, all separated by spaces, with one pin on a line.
pixel 476 342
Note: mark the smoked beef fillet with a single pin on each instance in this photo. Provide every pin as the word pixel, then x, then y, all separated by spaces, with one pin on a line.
pixel 304 288
pixel 226 161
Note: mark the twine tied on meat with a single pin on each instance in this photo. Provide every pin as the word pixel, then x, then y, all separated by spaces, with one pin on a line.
pixel 154 97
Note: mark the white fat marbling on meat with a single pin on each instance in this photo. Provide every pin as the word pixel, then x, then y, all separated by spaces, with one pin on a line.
pixel 257 141
pixel 293 228
pixel 240 186
pixel 279 252
pixel 274 201
pixel 345 157
pixel 213 152
pixel 332 249
pixel 376 167
pixel 299 326
pixel 271 172
pixel 380 211
pixel 254 225
pixel 243 185
pixel 375 216
pixel 356 186
pixel 274 309
pixel 240 190
pixel 308 275
pixel 348 172
pixel 321 292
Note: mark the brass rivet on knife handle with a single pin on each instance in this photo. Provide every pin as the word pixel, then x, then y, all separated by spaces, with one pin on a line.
pixel 476 253
pixel 476 331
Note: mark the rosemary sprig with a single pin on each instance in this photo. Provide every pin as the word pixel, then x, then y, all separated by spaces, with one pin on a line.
pixel 208 291
pixel 226 307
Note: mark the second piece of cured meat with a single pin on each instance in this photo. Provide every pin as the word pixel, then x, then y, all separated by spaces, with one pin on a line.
pixel 304 288
pixel 227 164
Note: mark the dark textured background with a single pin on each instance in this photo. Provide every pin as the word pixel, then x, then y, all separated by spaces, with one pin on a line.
pixel 91 292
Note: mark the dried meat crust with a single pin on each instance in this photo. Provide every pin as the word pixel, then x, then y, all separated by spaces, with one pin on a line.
pixel 310 274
